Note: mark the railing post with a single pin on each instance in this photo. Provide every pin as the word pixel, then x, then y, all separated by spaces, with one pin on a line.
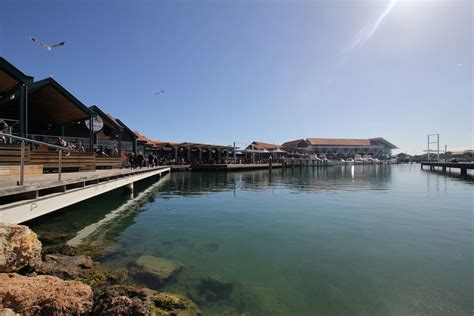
pixel 22 163
pixel 60 163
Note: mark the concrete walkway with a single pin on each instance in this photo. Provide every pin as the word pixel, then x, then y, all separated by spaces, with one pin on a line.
pixel 8 185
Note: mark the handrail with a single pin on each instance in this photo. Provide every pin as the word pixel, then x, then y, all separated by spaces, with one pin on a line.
pixel 28 140
pixel 22 153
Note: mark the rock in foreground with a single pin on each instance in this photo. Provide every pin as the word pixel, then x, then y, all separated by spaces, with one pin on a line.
pixel 20 249
pixel 65 266
pixel 129 300
pixel 44 295
pixel 160 268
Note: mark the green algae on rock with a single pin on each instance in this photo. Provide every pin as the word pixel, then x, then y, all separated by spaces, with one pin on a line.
pixel 161 269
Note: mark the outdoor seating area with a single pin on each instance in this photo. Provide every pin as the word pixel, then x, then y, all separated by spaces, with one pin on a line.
pixel 47 113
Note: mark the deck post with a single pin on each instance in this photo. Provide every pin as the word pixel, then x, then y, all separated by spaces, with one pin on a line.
pixel 22 163
pixel 464 171
pixel 134 146
pixel 129 188
pixel 60 164
pixel 200 155
pixel 444 169
pixel 91 133
pixel 23 110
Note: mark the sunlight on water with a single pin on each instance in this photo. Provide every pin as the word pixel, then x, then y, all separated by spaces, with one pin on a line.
pixel 376 240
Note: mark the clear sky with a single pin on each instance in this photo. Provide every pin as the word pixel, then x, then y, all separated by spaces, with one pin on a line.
pixel 259 70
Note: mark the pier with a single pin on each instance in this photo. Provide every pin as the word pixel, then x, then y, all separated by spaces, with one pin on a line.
pixel 43 194
pixel 463 166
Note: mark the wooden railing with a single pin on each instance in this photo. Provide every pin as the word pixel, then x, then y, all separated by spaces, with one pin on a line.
pixel 23 150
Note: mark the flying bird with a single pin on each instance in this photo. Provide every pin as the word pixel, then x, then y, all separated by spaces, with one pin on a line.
pixel 162 91
pixel 48 47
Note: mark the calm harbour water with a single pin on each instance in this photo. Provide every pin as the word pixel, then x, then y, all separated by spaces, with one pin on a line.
pixel 359 240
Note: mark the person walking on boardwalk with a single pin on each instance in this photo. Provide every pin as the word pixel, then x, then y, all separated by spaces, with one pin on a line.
pixel 140 160
pixel 150 160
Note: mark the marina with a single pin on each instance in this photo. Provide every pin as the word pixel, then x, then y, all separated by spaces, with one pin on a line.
pixel 273 239
pixel 236 158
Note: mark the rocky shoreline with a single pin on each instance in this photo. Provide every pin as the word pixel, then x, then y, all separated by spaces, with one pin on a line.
pixel 37 281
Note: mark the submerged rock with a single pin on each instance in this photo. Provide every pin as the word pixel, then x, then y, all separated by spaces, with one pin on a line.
pixel 44 295
pixel 65 266
pixel 161 269
pixel 61 250
pixel 20 249
pixel 130 300
pixel 214 289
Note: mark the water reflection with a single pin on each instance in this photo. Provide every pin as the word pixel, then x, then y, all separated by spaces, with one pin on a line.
pixel 304 179
pixel 63 225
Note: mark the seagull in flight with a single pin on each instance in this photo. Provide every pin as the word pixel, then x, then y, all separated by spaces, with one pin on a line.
pixel 162 91
pixel 48 47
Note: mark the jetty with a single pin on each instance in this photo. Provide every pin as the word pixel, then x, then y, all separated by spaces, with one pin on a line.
pixel 43 194
pixel 463 166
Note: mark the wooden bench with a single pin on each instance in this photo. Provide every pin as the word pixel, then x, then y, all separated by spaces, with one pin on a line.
pixel 77 161
pixel 10 154
pixel 108 162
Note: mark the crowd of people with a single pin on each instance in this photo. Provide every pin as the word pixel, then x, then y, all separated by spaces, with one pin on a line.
pixel 142 161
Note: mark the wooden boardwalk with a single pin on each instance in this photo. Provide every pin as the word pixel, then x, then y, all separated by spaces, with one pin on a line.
pixel 463 166
pixel 44 194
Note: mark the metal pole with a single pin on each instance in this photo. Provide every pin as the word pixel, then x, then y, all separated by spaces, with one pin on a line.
pixel 22 163
pixel 235 155
pixel 445 150
pixel 60 164
pixel 438 145
pixel 428 148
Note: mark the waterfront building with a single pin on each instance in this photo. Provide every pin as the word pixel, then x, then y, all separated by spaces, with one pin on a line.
pixel 259 151
pixel 333 148
pixel 43 110
pixel 110 136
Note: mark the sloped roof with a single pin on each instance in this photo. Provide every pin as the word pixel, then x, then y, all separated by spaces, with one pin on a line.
pixel 10 76
pixel 48 96
pixel 261 146
pixel 293 143
pixel 339 141
pixel 387 143
pixel 162 144
pixel 106 117
pixel 124 126
pixel 142 138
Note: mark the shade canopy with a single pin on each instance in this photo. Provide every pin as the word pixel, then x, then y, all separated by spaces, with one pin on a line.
pixel 50 102
pixel 10 77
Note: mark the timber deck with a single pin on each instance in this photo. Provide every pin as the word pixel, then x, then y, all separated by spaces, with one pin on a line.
pixel 45 194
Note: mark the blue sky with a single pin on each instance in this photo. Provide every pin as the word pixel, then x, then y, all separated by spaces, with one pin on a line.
pixel 259 70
